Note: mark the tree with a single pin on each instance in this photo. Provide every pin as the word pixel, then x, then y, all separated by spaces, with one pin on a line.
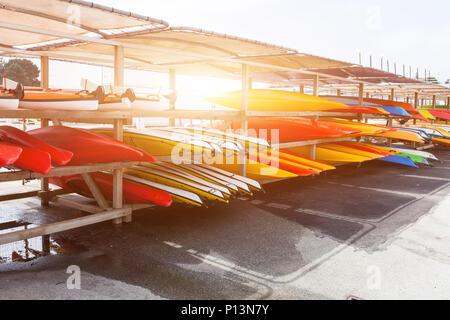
pixel 21 70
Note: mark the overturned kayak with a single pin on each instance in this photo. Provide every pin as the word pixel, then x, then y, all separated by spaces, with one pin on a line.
pixel 58 100
pixel 276 100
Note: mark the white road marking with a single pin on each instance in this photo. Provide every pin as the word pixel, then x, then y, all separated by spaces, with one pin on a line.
pixel 408 194
pixel 278 205
pixel 424 177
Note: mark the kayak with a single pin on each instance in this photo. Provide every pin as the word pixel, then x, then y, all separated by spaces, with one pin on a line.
pixel 441 114
pixel 427 114
pixel 114 103
pixel 133 193
pixel 276 100
pixel 155 175
pixel 294 129
pixel 178 195
pixel 400 160
pixel 352 150
pixel 188 177
pixel 8 101
pixel 34 160
pixel 57 100
pixel 330 156
pixel 404 105
pixel 364 128
pixel 414 157
pixel 401 135
pixel 17 136
pixel 359 109
pixel 444 133
pixel 253 184
pixel 143 103
pixel 442 141
pixel 162 143
pixel 88 147
pixel 288 155
pixel 367 148
pixel 169 172
pixel 220 180
pixel 9 154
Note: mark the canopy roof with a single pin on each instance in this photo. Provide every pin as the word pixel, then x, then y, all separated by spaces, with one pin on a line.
pixel 79 31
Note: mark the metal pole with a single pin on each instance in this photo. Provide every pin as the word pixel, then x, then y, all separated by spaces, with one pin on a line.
pixel 302 88
pixel 244 122
pixel 392 94
pixel 434 101
pixel 416 99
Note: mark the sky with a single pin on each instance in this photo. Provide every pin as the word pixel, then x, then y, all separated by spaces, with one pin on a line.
pixel 414 33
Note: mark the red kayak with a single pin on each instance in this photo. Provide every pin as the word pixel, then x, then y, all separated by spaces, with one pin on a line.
pixel 17 136
pixel 132 192
pixel 33 160
pixel 368 110
pixel 88 147
pixel 364 148
pixel 9 154
pixel 296 129
pixel 442 114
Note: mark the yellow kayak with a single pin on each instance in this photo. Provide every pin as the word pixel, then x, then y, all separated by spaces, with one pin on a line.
pixel 401 135
pixel 351 150
pixel 366 129
pixel 443 132
pixel 445 142
pixel 381 148
pixel 152 174
pixel 288 155
pixel 158 144
pixel 276 100
pixel 427 114
pixel 329 156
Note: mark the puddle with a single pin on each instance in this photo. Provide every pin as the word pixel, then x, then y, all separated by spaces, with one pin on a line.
pixel 30 249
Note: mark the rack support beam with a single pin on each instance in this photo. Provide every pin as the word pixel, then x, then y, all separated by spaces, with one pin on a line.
pixel 44 72
pixel 244 122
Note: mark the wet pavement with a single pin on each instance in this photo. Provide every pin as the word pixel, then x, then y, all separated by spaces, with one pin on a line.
pixel 379 231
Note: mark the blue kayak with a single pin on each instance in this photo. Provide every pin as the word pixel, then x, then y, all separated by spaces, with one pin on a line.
pixel 398 111
pixel 400 160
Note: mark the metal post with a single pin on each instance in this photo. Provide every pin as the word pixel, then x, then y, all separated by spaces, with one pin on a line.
pixel 44 72
pixel 316 85
pixel 302 88
pixel 244 122
pixel 339 93
pixel 434 101
pixel 172 86
pixel 416 99
pixel 391 97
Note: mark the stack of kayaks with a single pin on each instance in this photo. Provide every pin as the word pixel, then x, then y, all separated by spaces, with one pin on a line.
pixel 24 151
pixel 208 147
